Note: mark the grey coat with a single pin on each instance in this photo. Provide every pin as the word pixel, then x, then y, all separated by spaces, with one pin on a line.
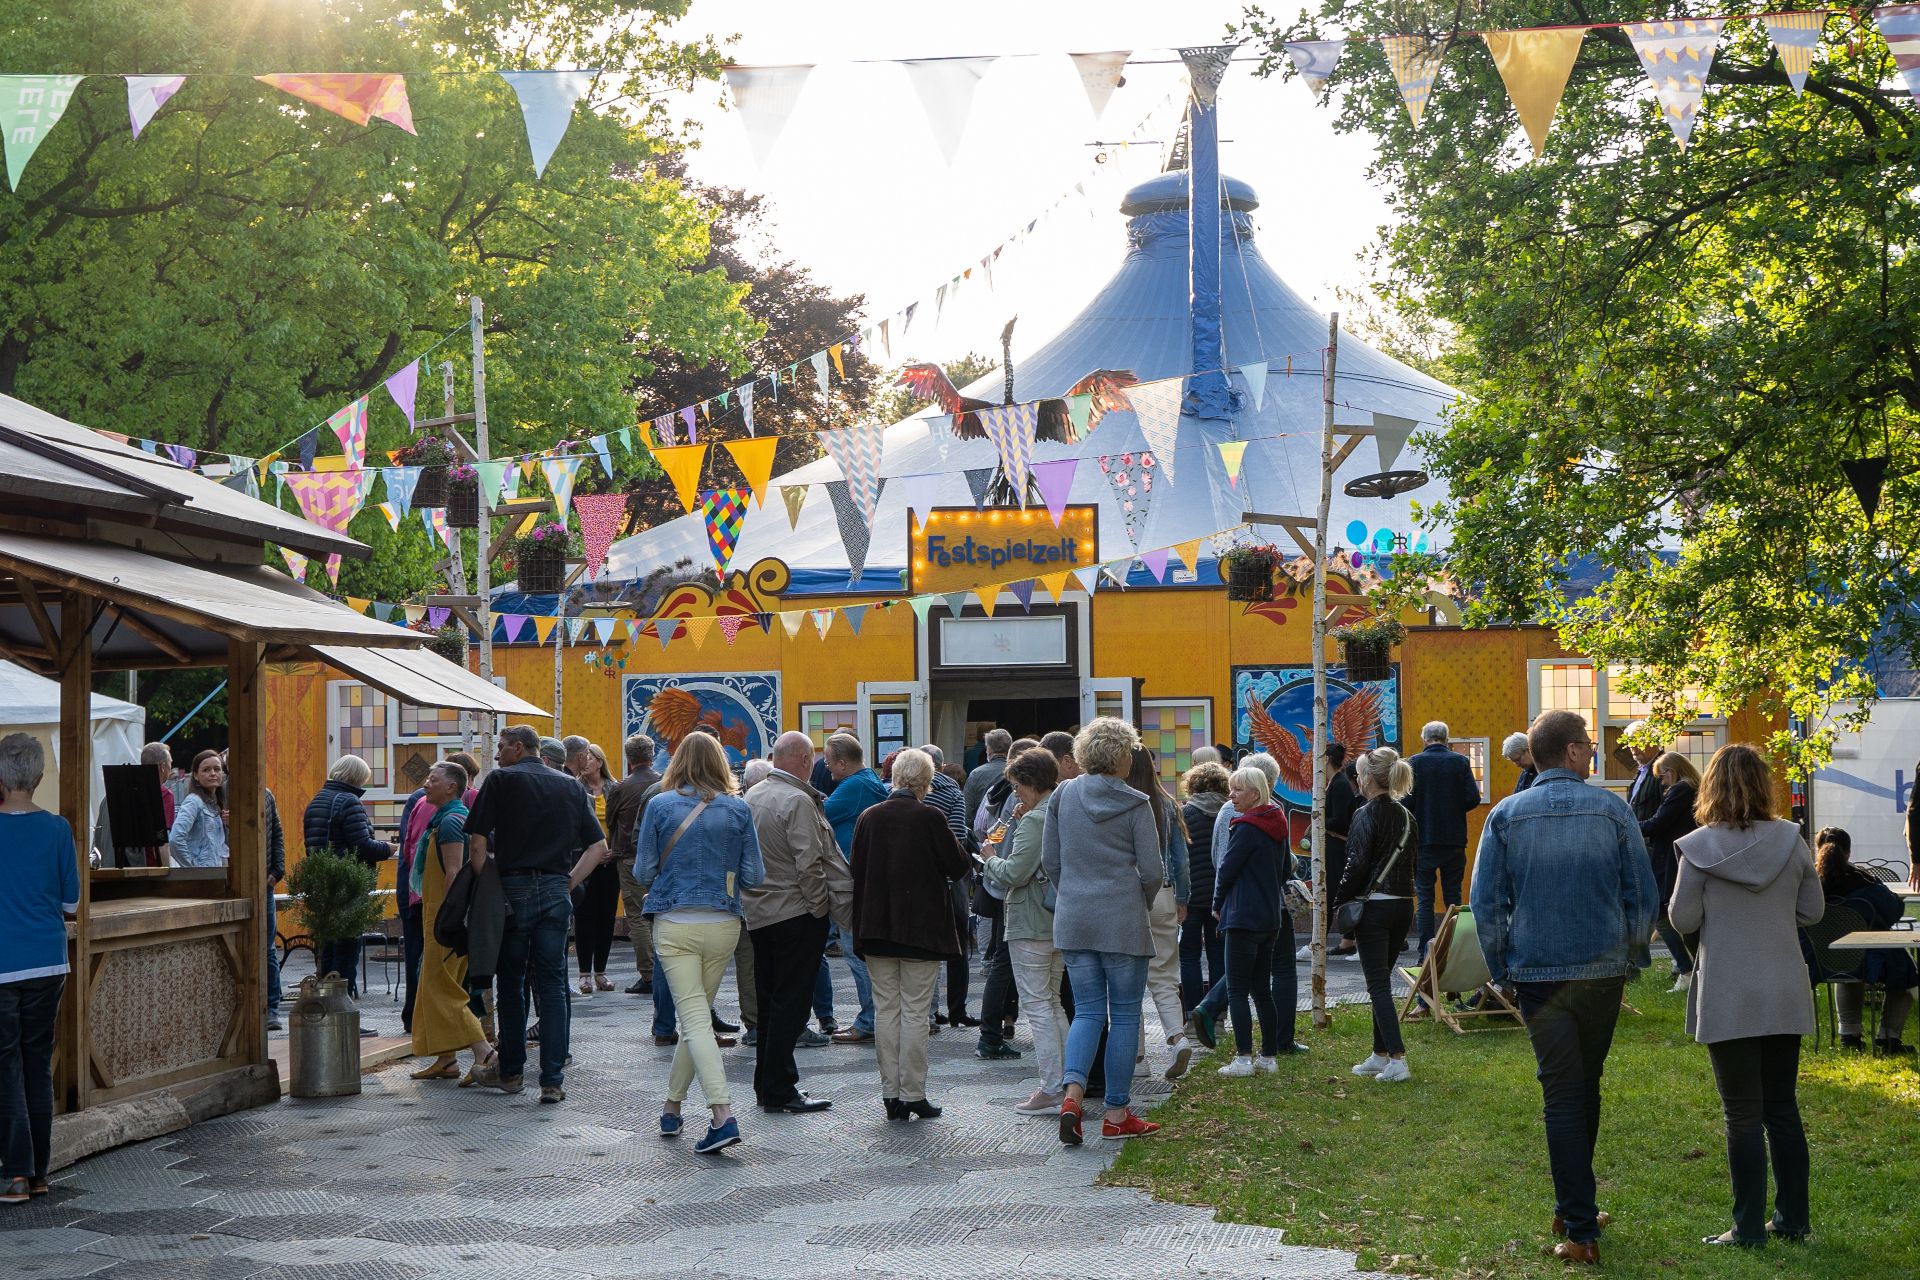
pixel 1102 852
pixel 1747 893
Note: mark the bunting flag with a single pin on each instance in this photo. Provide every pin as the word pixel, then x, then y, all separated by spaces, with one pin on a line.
pixel 1390 437
pixel 600 516
pixel 1157 407
pixel 513 625
pixel 393 517
pixel 435 519
pixel 791 620
pixel 561 473
pixel 793 495
pixel 1131 475
pixel 328 499
pixel 1011 427
pixel 182 455
pixel 956 603
pixel 921 606
pixel 547 99
pixel 1415 61
pixel 1055 482
pixel 401 482
pixel 921 493
pixel 1256 376
pixel 1089 578
pixel 1056 585
pixel 1535 66
pixel 1899 25
pixel 765 98
pixel 819 362
pixel 693 428
pixel 543 627
pixel 603 629
pixel 834 353
pixel 1080 413
pixel 1100 75
pixel 683 464
pixel 1232 453
pixel 29 108
pixel 1677 57
pixel 352 95
pixel 350 424
pixel 745 392
pixel 988 598
pixel 755 460
pixel 403 386
pixel 576 627
pixel 307 444
pixel 1795 36
pixel 855 614
pixel 725 511
pixel 1206 67
pixel 730 624
pixel 602 452
pixel 1867 476
pixel 945 87
pixel 1314 61
pixel 491 478
pixel 665 629
pixel 886 337
pixel 856 532
pixel 1155 563
pixel 1189 553
pixel 822 621
pixel 296 564
pixel 437 617
pixel 146 95
pixel 1023 592
pixel 858 450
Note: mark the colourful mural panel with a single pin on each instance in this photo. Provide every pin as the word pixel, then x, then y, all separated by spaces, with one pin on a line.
pixel 1273 712
pixel 742 710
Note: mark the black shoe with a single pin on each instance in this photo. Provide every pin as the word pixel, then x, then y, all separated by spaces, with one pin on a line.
pixel 962 1020
pixel 274 1023
pixel 922 1108
pixel 533 1033
pixel 752 1038
pixel 1006 1031
pixel 666 1041
pixel 828 1026
pixel 1779 1232
pixel 895 1111
pixel 368 1031
pixel 995 1049
pixel 1854 1043
pixel 800 1104
pixel 721 1027
pixel 1888 1048
pixel 941 1019
pixel 642 987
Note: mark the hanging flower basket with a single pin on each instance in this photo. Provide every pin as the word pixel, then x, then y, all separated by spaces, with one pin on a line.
pixel 463 497
pixel 434 456
pixel 431 489
pixel 1366 648
pixel 540 559
pixel 1249 573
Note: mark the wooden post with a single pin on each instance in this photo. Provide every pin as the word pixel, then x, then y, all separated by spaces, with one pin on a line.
pixel 1321 889
pixel 483 571
pixel 246 835
pixel 74 658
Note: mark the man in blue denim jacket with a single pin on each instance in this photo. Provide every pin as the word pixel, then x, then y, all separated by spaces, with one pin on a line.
pixel 1563 900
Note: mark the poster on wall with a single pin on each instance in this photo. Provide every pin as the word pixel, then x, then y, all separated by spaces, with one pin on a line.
pixel 1273 712
pixel 742 710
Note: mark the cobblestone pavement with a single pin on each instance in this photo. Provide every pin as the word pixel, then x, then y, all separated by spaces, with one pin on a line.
pixel 423 1179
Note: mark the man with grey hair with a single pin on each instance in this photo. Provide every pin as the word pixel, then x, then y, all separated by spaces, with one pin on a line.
pixel 986 774
pixel 1645 791
pixel 1444 793
pixel 553 754
pixel 1206 755
pixel 1520 756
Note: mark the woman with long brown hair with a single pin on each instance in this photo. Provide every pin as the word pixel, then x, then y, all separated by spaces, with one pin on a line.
pixel 1890 967
pixel 598 897
pixel 1168 912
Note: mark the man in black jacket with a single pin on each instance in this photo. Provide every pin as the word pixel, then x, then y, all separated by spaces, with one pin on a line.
pixel 625 800
pixel 1444 793
pixel 1643 793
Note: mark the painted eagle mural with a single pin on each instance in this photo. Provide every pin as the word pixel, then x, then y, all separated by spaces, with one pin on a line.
pixel 1355 725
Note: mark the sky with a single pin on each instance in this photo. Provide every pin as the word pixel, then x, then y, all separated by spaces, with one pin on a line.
pixel 862 195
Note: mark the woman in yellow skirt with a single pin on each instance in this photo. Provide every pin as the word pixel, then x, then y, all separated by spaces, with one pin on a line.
pixel 443 1024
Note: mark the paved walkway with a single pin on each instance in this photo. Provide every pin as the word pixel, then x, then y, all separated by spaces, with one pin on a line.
pixel 415 1180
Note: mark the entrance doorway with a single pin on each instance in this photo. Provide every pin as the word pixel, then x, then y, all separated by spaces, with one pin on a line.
pixel 1025 717
pixel 963 710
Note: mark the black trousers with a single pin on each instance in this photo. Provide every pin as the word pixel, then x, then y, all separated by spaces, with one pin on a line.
pixel 29 1012
pixel 1250 976
pixel 1200 940
pixel 343 958
pixel 1756 1077
pixel 959 968
pixel 1571 1027
pixel 786 964
pixel 996 993
pixel 594 906
pixel 1336 868
pixel 413 945
pixel 1381 933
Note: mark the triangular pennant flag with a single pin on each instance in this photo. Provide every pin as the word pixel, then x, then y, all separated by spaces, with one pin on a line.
pixel 576 627
pixel 979 480
pixel 415 613
pixel 939 302
pixel 625 436
pixel 512 625
pixel 543 627
pixel 858 450
pixel 906 320
pixel 920 494
pixel 1314 61
pixel 1100 75
pixel 382 612
pixel 1056 585
pixel 146 95
pixel 307 444
pixel 386 509
pixel 352 95
pixel 1055 482
pixel 822 621
pixel 403 387
pixel 725 511
pixel 1155 563
pixel 856 530
pixel 632 626
pixel 1011 427
pixel 491 476
pixel 333 570
pixel 773 382
pixel 1677 57
pixel 1232 453
pixel 1795 37
pixel 833 353
pixel 693 427
pixel 665 629
pixel 358 605
pixel 1206 67
pixel 745 392
pixel 604 453
pixel 1256 376
pixel 683 464
pixel 560 474
pixel 509 482
pixel 793 495
pixel 1080 412
pixel 755 460
pixel 886 337
pixel 988 597
pixel 350 424
pixel 603 629
pixel 765 98
pixel 1157 407
pixel 296 564
pixel 819 362
pixel 1390 436
pixel 956 603
pixel 1899 26
pixel 184 456
pixel 1023 592
pixel 1189 553
pixel 1535 65
pixel 791 620
pixel 436 518
pixel 1866 475
pixel 1089 576
pixel 29 108
pixel 437 617
pixel 1415 61
pixel 600 516
pixel 547 99
pixel 920 606
pixel 730 625
pixel 855 615
pixel 945 87
pixel 706 411
pixel 328 499
pixel 401 482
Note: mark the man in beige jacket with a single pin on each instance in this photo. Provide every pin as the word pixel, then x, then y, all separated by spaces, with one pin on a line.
pixel 807 882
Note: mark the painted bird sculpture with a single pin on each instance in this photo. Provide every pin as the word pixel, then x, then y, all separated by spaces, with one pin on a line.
pixel 1108 387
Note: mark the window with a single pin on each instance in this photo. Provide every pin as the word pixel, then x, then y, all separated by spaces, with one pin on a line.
pixel 821 720
pixel 1571 685
pixel 1475 750
pixel 1172 728
pixel 400 742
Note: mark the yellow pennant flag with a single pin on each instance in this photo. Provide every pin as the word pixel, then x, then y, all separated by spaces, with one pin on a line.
pixel 333 462
pixel 755 460
pixel 1416 62
pixel 793 495
pixel 1056 585
pixel 838 367
pixel 543 628
pixel 358 605
pixel 1189 552
pixel 682 463
pixel 1232 453
pixel 698 626
pixel 529 468
pixel 1535 66
pixel 792 620
pixel 414 612
pixel 988 597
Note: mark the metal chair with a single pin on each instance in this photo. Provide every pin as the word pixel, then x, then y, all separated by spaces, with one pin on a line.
pixel 1881 871
pixel 1830 966
pixel 384 946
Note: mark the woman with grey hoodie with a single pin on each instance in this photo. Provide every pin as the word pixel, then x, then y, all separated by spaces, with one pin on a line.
pixel 1746 884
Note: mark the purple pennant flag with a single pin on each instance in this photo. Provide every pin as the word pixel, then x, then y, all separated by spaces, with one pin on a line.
pixel 1155 563
pixel 693 432
pixel 1023 592
pixel 512 625
pixel 1056 483
pixel 146 95
pixel 437 618
pixel 182 455
pixel 402 386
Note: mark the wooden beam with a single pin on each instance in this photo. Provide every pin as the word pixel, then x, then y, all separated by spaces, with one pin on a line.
pixel 75 661
pixel 1345 452
pixel 150 633
pixel 27 656
pixel 246 836
pixel 453 602
pixel 37 610
pixel 451 420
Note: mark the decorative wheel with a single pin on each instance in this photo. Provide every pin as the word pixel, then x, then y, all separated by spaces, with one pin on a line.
pixel 1385 484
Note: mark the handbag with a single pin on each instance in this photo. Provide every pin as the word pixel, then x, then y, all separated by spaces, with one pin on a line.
pixel 450 921
pixel 1049 896
pixel 1346 918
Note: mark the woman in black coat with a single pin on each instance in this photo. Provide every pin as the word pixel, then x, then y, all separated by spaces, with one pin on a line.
pixel 337 821
pixel 1891 967
pixel 1343 801
pixel 1680 783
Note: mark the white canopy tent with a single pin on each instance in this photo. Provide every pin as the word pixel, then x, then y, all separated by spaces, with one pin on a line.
pixel 31 704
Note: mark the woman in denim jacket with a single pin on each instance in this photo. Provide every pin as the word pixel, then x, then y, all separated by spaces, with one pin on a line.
pixel 697 849
pixel 199 834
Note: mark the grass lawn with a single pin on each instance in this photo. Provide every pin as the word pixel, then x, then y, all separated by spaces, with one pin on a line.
pixel 1446 1175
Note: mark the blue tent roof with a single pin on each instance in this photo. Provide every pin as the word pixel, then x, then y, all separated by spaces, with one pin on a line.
pixel 1140 322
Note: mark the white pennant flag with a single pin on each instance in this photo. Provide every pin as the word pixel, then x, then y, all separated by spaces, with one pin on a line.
pixel 547 99
pixel 745 392
pixel 1157 407
pixel 146 95
pixel 765 98
pixel 1256 376
pixel 946 86
pixel 1100 75
pixel 1390 437
pixel 1314 61
pixel 819 362
pixel 921 494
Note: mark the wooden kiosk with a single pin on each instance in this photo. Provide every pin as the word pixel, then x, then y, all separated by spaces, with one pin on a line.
pixel 110 560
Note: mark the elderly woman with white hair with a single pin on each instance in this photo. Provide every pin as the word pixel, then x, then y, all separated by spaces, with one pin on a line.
pixel 1520 755
pixel 902 858
pixel 40 888
pixel 336 821
pixel 1101 849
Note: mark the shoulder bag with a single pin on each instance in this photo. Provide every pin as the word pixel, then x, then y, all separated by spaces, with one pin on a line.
pixel 1347 918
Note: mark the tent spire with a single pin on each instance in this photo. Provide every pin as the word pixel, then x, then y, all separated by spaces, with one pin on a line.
pixel 1209 395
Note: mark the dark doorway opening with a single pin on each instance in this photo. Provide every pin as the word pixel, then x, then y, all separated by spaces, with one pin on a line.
pixel 1026 717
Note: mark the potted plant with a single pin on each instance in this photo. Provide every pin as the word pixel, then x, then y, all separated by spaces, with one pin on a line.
pixel 540 558
pixel 434 455
pixel 450 642
pixel 335 895
pixel 1249 572
pixel 463 497
pixel 1367 646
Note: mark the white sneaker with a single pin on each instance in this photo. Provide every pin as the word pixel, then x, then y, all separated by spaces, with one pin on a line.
pixel 1182 1050
pixel 1304 953
pixel 1394 1072
pixel 1264 1063
pixel 1238 1069
pixel 1373 1066
pixel 1140 1071
pixel 1681 984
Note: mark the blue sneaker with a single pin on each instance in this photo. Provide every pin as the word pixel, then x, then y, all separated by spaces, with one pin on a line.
pixel 719 1138
pixel 671 1125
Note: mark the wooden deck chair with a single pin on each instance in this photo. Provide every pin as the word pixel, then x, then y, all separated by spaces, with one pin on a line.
pixel 1454 965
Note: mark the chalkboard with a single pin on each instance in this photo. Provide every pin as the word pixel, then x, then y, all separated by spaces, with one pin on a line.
pixel 135 813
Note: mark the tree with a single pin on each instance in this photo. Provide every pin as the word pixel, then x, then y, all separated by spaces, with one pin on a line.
pixel 1666 355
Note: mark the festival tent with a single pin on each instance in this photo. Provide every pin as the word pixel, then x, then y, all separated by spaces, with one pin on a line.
pixel 31 704
pixel 1139 322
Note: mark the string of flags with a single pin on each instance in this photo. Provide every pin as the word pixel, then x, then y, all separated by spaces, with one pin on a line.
pixel 1676 55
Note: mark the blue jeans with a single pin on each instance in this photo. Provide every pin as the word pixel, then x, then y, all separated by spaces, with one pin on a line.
pixel 273 955
pixel 862 984
pixel 535 945
pixel 823 993
pixel 28 1011
pixel 666 1019
pixel 1107 989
